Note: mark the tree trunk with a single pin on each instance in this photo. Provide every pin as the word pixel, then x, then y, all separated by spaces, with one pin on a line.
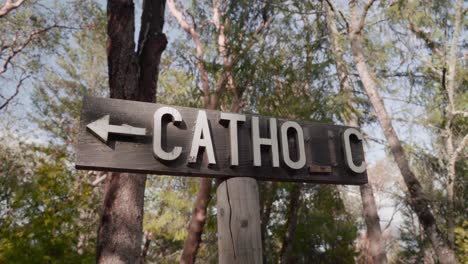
pixel 197 222
pixel 269 192
pixel 132 76
pixel 450 114
pixel 419 202
pixel 288 240
pixel 369 209
pixel 374 233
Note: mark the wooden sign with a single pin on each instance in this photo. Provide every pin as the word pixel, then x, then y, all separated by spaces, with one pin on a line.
pixel 129 136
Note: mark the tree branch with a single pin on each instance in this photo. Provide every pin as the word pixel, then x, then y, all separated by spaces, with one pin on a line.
pixel 452 59
pixel 8 100
pixel 395 211
pixel 333 9
pixel 99 179
pixel 9 6
pixel 200 54
pixel 23 45
pixel 364 14
pixel 149 238
pixel 460 148
pixel 228 75
pixel 430 43
pixel 461 113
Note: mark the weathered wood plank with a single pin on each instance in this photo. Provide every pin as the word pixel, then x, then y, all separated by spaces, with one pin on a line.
pixel 323 145
pixel 239 232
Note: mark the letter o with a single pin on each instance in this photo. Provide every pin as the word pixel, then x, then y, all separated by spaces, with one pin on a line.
pixel 348 154
pixel 300 163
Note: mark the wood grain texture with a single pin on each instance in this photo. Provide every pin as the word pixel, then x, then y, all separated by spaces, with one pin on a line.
pixel 239 232
pixel 134 153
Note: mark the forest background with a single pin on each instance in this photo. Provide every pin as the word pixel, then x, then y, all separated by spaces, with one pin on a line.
pixel 397 69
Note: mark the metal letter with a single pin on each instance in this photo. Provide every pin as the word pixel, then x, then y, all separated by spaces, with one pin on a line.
pixel 300 163
pixel 202 138
pixel 257 141
pixel 157 134
pixel 233 119
pixel 349 156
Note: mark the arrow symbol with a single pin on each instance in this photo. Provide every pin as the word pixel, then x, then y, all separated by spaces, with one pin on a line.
pixel 101 129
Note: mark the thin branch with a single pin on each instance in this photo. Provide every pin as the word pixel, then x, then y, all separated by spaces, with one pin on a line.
pixel 462 113
pixel 149 238
pixel 9 6
pixel 200 53
pixel 8 100
pixel 395 211
pixel 367 137
pixel 204 24
pixel 364 14
pixel 427 38
pixel 258 31
pixel 235 58
pixel 333 9
pixel 30 38
pixel 227 60
pixel 460 148
pixel 99 180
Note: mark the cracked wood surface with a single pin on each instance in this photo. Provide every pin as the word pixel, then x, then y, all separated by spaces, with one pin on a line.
pixel 239 232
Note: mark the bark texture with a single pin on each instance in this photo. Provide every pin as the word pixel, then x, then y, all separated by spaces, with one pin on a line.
pixel 132 76
pixel 369 208
pixel 419 202
pixel 197 222
pixel 374 233
pixel 452 151
pixel 288 240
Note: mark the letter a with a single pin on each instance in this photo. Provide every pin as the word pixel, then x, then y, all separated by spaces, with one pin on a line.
pixel 202 138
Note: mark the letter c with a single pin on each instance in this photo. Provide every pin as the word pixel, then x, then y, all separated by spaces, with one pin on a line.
pixel 157 134
pixel 348 154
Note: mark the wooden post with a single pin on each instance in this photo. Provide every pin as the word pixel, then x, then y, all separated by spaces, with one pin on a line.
pixel 239 232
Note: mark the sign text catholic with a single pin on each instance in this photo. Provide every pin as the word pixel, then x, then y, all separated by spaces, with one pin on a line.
pixel 129 136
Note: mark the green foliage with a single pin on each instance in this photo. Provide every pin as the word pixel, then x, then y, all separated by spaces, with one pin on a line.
pixel 329 232
pixel 325 232
pixel 43 205
pixel 414 247
pixel 434 22
pixel 48 211
pixel 167 212
pixel 461 241
pixel 80 71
